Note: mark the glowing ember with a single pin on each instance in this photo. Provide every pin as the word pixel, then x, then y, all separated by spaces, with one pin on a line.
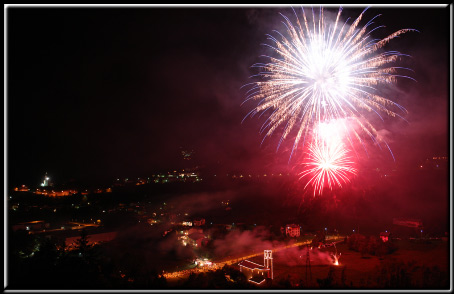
pixel 336 257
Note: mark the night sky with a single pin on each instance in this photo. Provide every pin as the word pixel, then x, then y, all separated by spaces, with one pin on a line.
pixel 117 92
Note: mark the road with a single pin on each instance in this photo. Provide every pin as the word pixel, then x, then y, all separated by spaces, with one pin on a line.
pixel 218 265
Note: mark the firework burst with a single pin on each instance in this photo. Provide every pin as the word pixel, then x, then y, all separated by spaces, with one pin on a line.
pixel 328 164
pixel 324 70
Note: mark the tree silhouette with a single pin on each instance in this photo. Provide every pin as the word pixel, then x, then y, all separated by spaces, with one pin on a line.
pixel 82 242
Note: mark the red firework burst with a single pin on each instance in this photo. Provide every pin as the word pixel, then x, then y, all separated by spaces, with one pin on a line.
pixel 327 164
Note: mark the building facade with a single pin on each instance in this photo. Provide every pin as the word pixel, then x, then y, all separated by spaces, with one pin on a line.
pixel 293 230
pixel 257 273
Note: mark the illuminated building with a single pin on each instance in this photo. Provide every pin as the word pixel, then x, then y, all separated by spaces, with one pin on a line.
pixel 268 261
pixel 257 273
pixel 292 230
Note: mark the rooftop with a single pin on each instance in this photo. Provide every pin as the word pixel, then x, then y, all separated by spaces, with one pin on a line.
pixel 257 279
pixel 252 265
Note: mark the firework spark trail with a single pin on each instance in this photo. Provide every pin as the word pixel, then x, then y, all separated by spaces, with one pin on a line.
pixel 324 72
pixel 331 132
pixel 336 256
pixel 328 163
